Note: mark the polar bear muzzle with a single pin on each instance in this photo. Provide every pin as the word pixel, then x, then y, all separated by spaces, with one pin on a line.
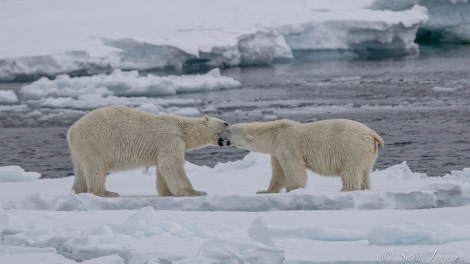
pixel 223 142
pixel 223 138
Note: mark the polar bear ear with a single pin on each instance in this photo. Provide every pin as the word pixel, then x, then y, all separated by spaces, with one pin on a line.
pixel 249 138
pixel 205 118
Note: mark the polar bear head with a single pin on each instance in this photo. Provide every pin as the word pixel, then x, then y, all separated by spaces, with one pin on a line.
pixel 257 136
pixel 235 135
pixel 251 136
pixel 212 127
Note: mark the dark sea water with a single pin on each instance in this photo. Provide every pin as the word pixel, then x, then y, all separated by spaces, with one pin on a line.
pixel 419 104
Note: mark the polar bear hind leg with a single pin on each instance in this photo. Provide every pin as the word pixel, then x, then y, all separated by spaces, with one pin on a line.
pixel 79 184
pixel 352 179
pixel 278 179
pixel 365 185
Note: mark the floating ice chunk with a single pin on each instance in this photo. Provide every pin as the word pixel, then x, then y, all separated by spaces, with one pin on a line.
pixel 17 174
pixel 399 172
pixel 417 233
pixel 126 84
pixel 8 97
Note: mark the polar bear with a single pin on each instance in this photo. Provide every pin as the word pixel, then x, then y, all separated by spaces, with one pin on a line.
pixel 336 147
pixel 118 138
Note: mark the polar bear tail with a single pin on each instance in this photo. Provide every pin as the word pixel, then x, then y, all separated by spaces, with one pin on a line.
pixel 378 139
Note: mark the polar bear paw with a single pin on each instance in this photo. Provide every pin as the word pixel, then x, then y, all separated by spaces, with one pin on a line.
pixel 111 194
pixel 265 192
pixel 189 193
pixel 198 193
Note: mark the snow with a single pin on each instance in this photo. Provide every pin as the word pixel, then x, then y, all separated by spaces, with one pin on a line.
pixel 405 216
pixel 86 38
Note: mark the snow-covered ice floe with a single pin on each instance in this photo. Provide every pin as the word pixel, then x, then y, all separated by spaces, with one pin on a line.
pixel 71 96
pixel 181 36
pixel 405 217
pixel 121 83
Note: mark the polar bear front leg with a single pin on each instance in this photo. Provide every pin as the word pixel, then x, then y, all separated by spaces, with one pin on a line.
pixel 294 170
pixel 278 180
pixel 162 187
pixel 171 169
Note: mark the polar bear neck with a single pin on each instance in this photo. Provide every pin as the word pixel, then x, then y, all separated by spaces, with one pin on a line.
pixel 196 134
pixel 265 134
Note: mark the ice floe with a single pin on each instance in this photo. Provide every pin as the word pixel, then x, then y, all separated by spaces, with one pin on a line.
pixel 406 215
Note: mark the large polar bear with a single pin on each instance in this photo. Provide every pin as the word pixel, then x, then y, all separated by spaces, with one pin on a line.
pixel 117 138
pixel 336 147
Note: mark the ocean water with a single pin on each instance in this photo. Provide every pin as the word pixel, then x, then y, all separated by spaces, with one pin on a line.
pixel 419 104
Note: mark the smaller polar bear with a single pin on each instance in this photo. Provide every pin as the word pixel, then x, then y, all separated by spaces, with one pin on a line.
pixel 336 147
pixel 118 138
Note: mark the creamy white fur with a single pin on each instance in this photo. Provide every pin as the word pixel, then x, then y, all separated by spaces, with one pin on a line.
pixel 118 138
pixel 336 147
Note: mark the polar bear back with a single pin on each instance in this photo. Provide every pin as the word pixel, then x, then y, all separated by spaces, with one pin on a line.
pixel 131 136
pixel 329 146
